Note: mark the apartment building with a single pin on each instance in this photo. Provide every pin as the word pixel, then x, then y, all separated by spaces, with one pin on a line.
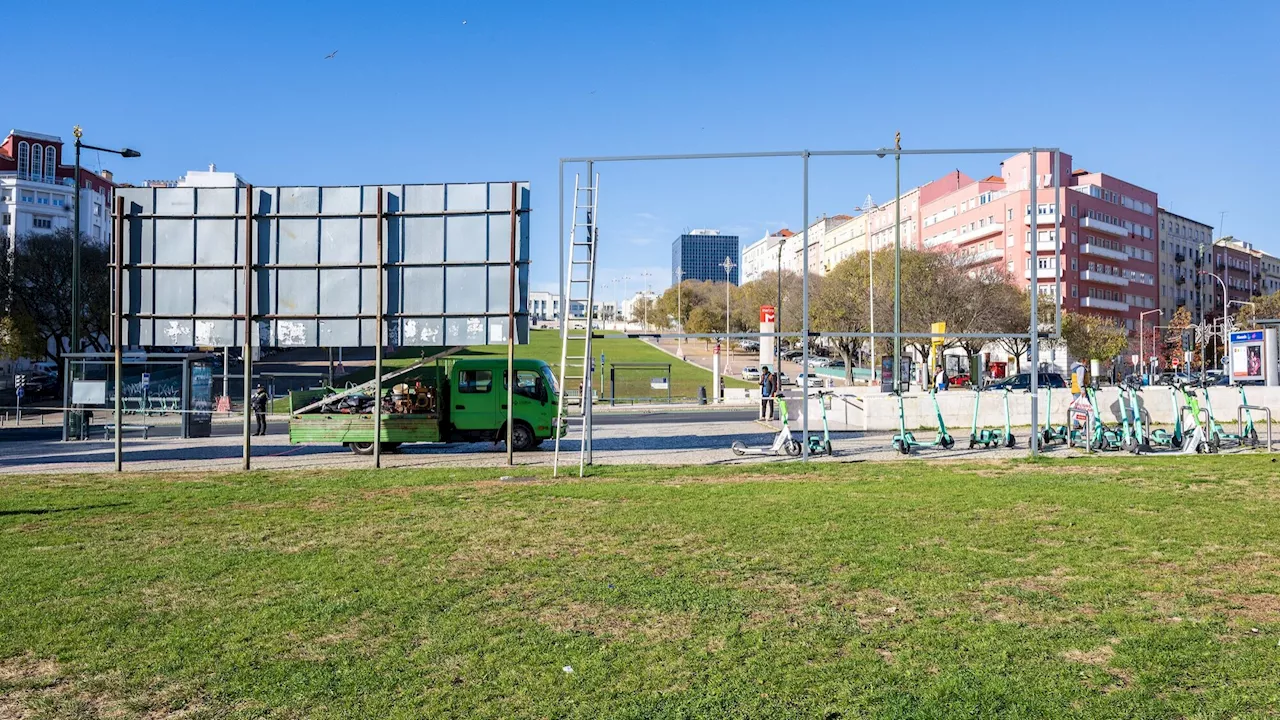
pixel 764 256
pixel 1107 235
pixel 844 239
pixel 1185 245
pixel 37 189
pixel 1244 270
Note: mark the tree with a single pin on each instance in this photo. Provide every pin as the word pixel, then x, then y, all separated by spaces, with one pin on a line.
pixel 981 299
pixel 1171 351
pixel 1014 315
pixel 1093 337
pixel 642 310
pixel 1265 306
pixel 839 306
pixel 41 294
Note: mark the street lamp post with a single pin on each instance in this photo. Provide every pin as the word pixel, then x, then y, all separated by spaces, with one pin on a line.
pixel 1226 324
pixel 1142 369
pixel 76 309
pixel 679 316
pixel 866 208
pixel 728 266
pixel 645 298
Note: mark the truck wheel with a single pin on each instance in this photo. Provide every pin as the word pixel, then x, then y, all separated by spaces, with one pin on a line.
pixel 361 448
pixel 522 438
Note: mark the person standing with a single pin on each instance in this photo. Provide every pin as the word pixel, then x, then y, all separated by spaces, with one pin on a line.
pixel 768 385
pixel 940 379
pixel 259 405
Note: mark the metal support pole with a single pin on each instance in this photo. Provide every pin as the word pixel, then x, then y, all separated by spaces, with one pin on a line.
pixel 897 263
pixel 804 309
pixel 1060 200
pixel 1034 329
pixel 247 348
pixel 511 332
pixel 118 331
pixel 592 227
pixel 75 294
pixel 560 314
pixel 377 355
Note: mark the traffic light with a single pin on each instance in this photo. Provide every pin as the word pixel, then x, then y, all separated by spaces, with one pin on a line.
pixel 1187 340
pixel 20 380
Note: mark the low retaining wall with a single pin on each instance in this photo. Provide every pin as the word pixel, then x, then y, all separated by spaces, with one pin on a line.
pixel 856 409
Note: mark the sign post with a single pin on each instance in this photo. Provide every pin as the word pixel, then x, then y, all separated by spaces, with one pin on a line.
pixel 768 343
pixel 20 388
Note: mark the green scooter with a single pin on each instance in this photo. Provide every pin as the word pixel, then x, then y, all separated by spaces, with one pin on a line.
pixel 821 445
pixel 1163 438
pixel 1136 440
pixel 1210 443
pixel 986 436
pixel 905 440
pixel 1052 433
pixel 1105 437
pixel 1219 436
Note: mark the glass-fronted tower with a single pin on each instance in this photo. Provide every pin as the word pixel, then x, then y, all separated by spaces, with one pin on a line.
pixel 701 253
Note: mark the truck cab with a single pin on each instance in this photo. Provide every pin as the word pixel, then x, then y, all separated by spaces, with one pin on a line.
pixel 468 404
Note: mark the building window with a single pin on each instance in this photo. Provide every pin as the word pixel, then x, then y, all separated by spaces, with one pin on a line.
pixel 28 196
pixel 1073 210
pixel 59 200
pixel 24 157
pixel 4 220
pixel 1075 291
pixel 1010 217
pixel 37 161
pixel 41 223
pixel 50 162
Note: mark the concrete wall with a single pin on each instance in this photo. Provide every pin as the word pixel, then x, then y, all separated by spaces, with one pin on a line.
pixel 853 409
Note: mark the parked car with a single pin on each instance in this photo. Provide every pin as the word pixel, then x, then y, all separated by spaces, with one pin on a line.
pixel 751 372
pixel 793 355
pixel 1022 381
pixel 784 379
pixel 958 380
pixel 749 345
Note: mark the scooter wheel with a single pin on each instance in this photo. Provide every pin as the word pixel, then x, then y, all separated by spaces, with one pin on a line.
pixel 948 442
pixel 1011 440
pixel 1215 444
pixel 739 448
pixel 793 448
pixel 827 447
pixel 972 442
pixel 1253 437
pixel 1046 437
pixel 1202 448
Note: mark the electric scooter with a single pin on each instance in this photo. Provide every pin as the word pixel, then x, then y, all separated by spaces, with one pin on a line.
pixel 1250 434
pixel 821 445
pixel 1052 433
pixel 1199 437
pixel 1219 436
pixel 1163 438
pixel 783 442
pixel 1105 437
pixel 1138 442
pixel 984 437
pixel 905 440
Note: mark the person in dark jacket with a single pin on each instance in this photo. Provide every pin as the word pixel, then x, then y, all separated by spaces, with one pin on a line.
pixel 768 386
pixel 259 405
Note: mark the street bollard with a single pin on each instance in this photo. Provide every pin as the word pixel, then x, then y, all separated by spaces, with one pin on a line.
pixel 702 395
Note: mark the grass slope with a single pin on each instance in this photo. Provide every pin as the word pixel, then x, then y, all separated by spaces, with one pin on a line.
pixel 1120 588
pixel 544 345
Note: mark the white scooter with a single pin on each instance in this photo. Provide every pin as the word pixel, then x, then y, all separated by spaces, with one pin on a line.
pixel 783 443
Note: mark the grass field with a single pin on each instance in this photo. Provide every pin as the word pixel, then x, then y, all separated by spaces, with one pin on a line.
pixel 545 345
pixel 1121 588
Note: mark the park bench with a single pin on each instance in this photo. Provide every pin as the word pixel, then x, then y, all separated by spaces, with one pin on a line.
pixel 106 429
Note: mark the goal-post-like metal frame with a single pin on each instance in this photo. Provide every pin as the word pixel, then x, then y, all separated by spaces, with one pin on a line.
pixel 1034 332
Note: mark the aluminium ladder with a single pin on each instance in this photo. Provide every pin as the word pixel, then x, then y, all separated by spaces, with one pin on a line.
pixel 575 343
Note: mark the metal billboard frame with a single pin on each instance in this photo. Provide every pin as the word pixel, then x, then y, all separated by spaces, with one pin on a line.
pixel 515 265
pixel 1033 332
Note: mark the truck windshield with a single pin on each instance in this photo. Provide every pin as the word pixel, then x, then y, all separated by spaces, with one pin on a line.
pixel 550 380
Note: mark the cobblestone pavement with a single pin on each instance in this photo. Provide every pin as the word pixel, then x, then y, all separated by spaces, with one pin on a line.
pixel 706 443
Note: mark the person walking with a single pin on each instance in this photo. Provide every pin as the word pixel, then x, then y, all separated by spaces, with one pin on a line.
pixel 940 379
pixel 259 405
pixel 768 385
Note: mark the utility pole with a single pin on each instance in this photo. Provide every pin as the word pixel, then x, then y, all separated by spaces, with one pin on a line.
pixel 866 209
pixel 777 312
pixel 897 263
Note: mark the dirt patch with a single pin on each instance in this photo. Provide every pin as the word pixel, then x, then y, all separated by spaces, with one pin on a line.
pixel 1254 607
pixel 33 687
pixel 1053 583
pixel 616 622
pixel 1100 655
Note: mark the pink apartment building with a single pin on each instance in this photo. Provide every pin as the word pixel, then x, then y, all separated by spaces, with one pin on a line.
pixel 1109 236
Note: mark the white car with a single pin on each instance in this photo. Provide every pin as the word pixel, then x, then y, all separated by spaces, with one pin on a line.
pixel 751 373
pixel 784 379
pixel 818 362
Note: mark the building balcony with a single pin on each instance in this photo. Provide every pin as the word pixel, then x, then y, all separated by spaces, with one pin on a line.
pixel 1098 250
pixel 1181 280
pixel 1042 219
pixel 42 180
pixel 982 257
pixel 977 233
pixel 1042 246
pixel 1180 257
pixel 1094 303
pixel 1088 223
pixel 1042 273
pixel 1100 277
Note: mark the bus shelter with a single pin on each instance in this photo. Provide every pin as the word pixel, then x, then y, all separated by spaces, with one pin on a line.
pixel 154 386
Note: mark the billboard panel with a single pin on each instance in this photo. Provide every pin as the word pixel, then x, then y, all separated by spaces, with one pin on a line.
pixel 446 255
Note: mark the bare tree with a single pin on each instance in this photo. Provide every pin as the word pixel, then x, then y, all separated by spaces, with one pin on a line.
pixel 41 293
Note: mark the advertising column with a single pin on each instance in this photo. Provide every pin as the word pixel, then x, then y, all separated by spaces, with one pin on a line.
pixel 1251 356
pixel 768 354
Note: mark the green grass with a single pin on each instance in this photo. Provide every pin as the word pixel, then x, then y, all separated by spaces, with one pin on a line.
pixel 1115 587
pixel 544 345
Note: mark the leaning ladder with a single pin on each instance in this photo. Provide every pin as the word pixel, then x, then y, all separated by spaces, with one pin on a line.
pixel 575 343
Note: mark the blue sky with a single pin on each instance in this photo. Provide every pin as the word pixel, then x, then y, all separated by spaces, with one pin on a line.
pixel 1173 96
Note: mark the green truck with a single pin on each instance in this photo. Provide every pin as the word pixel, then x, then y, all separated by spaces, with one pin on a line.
pixel 463 400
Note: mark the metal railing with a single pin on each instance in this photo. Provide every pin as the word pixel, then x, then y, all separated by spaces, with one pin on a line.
pixel 1240 421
